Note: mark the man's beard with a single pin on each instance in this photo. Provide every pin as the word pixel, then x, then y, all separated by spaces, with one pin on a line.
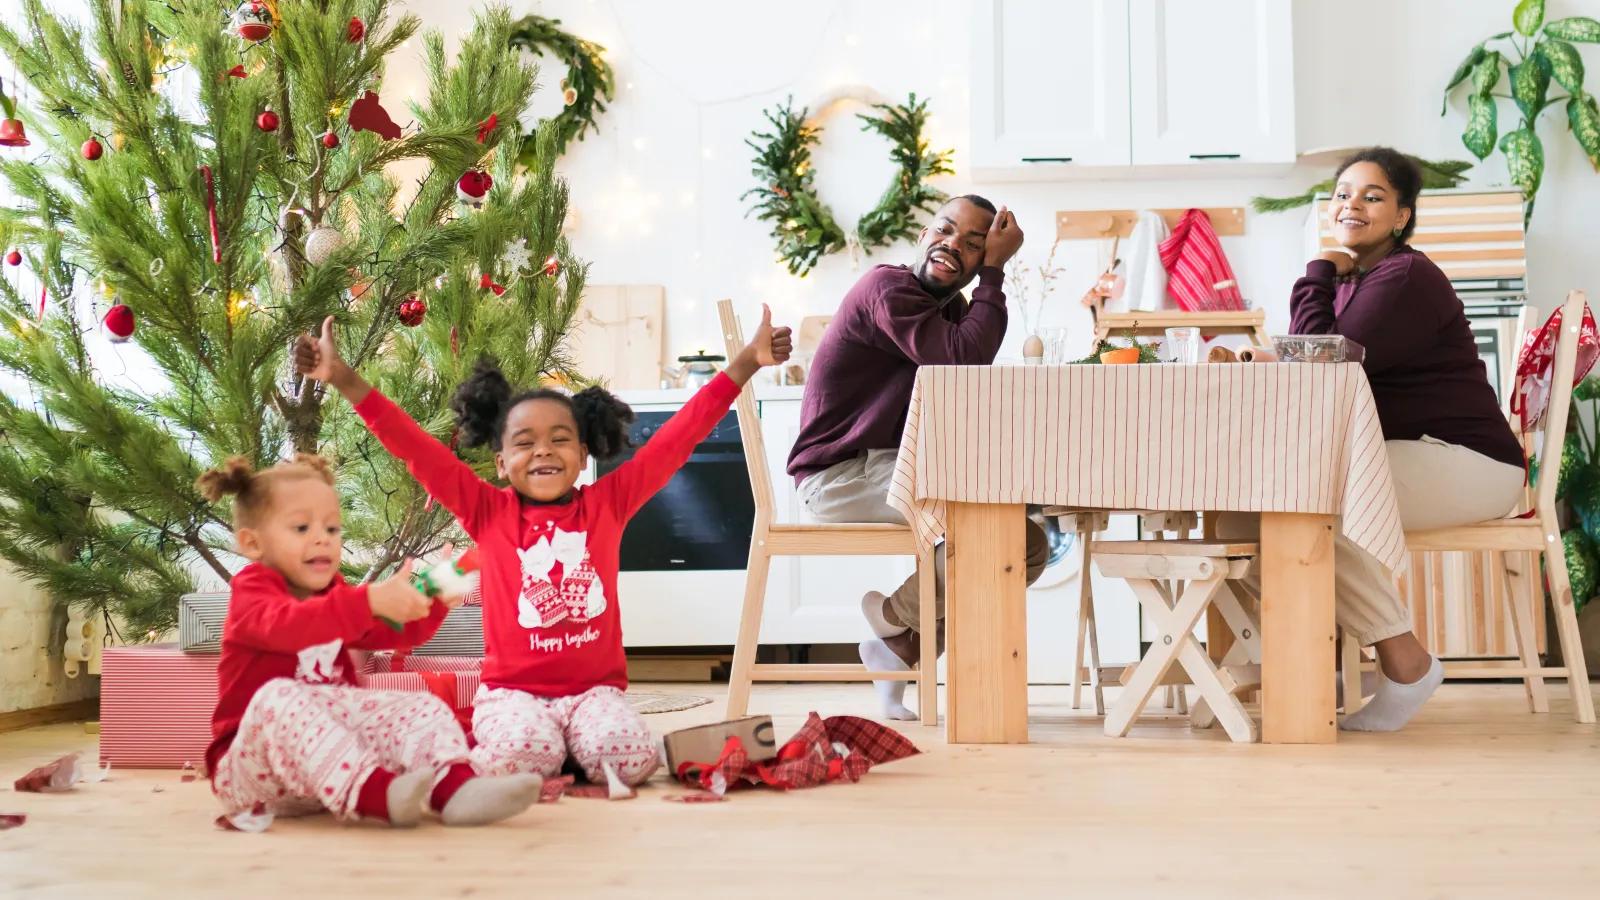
pixel 939 292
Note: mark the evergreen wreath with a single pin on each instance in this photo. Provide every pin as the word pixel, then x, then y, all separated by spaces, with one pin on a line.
pixel 803 225
pixel 589 83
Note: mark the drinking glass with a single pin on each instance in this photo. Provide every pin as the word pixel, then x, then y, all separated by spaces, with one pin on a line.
pixel 1183 345
pixel 1055 345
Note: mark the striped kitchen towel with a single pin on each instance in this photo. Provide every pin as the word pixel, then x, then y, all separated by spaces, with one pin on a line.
pixel 1198 275
pixel 155 706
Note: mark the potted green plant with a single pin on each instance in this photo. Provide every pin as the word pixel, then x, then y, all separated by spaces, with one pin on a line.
pixel 1533 54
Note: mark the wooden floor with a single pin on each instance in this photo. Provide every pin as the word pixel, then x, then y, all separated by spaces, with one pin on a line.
pixel 1476 799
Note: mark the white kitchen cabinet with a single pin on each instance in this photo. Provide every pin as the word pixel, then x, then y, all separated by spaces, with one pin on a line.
pixel 1050 83
pixel 1211 81
pixel 1091 88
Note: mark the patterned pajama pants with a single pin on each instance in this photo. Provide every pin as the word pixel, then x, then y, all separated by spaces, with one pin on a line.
pixel 519 732
pixel 305 747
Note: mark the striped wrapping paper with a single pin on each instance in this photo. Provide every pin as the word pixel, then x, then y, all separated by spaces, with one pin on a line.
pixel 1258 438
pixel 460 635
pixel 200 619
pixel 155 706
pixel 466 684
pixel 384 662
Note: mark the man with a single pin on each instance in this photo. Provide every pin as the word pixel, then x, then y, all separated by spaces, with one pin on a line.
pixel 895 319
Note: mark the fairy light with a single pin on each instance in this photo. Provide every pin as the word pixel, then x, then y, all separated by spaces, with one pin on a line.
pixel 151 634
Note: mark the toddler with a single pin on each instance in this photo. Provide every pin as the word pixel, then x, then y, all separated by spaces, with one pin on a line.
pixel 291 730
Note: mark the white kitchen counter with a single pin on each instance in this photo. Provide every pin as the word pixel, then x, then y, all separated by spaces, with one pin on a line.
pixel 680 396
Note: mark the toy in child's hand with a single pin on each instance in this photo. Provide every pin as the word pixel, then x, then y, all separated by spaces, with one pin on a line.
pixel 447 580
pixel 396 601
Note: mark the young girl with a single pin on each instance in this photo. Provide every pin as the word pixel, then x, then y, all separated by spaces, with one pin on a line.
pixel 291 730
pixel 555 671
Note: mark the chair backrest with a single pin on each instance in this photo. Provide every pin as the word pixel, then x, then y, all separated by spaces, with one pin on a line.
pixel 1555 414
pixel 755 448
pixel 1470 235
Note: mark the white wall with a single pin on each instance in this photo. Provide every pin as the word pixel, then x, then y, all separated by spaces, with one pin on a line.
pixel 658 188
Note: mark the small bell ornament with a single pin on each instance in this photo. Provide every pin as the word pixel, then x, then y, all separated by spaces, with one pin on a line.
pixel 253 21
pixel 473 187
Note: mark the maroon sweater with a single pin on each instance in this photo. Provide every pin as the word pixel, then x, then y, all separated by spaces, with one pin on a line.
pixel 859 387
pixel 1427 378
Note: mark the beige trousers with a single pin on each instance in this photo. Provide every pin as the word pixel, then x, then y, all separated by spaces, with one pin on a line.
pixel 1436 485
pixel 857 491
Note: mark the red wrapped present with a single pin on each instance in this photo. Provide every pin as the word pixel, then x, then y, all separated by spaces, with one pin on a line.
pixel 387 661
pixel 453 679
pixel 155 706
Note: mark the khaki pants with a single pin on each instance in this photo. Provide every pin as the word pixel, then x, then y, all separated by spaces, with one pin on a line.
pixel 1436 485
pixel 857 491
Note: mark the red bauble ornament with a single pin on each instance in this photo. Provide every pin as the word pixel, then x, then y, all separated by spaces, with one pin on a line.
pixel 253 21
pixel 91 149
pixel 119 323
pixel 552 266
pixel 472 187
pixel 13 258
pixel 412 312
pixel 267 121
pixel 356 31
pixel 330 140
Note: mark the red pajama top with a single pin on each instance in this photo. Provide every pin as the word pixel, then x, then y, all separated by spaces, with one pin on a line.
pixel 548 572
pixel 270 633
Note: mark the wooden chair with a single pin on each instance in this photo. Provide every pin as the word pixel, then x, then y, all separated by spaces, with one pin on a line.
pixel 1210 570
pixel 1522 541
pixel 771 538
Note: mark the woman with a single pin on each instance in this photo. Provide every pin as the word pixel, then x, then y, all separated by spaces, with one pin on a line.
pixel 1453 457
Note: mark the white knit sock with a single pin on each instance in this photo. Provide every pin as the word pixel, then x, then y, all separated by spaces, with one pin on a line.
pixel 872 607
pixel 1394 704
pixel 877 657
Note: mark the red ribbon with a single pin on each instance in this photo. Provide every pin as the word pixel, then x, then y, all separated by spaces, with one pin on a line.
pixel 211 210
pixel 487 126
pixel 44 292
pixel 235 72
pixel 487 282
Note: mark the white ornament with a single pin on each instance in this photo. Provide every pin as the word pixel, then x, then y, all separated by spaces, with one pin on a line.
pixel 517 258
pixel 322 243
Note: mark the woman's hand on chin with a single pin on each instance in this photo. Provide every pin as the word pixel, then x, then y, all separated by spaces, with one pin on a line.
pixel 1343 263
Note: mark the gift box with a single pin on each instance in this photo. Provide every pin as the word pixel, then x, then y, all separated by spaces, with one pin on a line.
pixel 200 618
pixel 155 706
pixel 460 635
pixel 454 680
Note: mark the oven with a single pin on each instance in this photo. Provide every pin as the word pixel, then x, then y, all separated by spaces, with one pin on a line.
pixel 703 518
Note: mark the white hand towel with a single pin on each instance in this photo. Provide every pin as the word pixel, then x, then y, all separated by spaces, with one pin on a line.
pixel 1141 265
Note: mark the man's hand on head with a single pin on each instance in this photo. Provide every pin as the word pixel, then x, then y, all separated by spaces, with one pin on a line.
pixel 1003 240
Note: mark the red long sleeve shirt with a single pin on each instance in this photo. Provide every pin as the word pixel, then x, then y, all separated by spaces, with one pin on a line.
pixel 548 571
pixel 270 633
pixel 859 388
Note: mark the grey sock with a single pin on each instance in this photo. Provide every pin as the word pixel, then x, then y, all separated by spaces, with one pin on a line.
pixel 1394 704
pixel 488 799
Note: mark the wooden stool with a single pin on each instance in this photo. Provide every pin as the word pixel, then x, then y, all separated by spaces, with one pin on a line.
pixel 1211 570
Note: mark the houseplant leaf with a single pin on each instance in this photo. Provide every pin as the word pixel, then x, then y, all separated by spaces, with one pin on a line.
pixel 1587 389
pixel 1580 563
pixel 1571 462
pixel 1583 114
pixel 1584 495
pixel 1566 66
pixel 1474 56
pixel 1530 81
pixel 1576 28
pixel 1486 74
pixel 1481 126
pixel 1529 15
pixel 1525 160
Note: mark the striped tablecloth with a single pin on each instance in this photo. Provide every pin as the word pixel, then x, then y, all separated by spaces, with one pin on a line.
pixel 1258 438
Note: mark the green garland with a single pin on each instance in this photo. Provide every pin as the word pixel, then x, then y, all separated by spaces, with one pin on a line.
pixel 588 85
pixel 803 225
pixel 1435 175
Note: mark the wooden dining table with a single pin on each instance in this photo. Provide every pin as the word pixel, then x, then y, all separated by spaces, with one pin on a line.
pixel 1300 444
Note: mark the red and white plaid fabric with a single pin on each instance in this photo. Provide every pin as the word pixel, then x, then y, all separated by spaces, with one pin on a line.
pixel 840 748
pixel 1198 275
pixel 1536 362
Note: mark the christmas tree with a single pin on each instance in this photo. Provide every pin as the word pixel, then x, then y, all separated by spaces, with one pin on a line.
pixel 213 181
